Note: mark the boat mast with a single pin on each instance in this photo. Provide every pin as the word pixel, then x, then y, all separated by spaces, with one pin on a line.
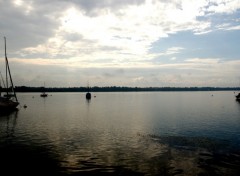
pixel 8 69
pixel 44 87
pixel 6 66
pixel 88 87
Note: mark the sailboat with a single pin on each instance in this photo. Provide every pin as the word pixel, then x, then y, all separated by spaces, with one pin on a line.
pixel 8 101
pixel 238 97
pixel 88 94
pixel 44 94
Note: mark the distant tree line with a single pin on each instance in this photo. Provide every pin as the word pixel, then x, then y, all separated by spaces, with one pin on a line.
pixel 120 89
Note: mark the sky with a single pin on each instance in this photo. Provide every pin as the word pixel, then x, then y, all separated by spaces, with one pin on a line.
pixel 135 43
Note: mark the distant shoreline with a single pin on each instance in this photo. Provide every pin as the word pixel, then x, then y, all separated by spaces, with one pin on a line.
pixel 121 89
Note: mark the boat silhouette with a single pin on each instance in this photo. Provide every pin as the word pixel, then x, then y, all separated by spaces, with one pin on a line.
pixel 88 94
pixel 9 100
pixel 43 94
pixel 238 97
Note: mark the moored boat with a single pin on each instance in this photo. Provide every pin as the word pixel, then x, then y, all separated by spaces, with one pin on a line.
pixel 44 94
pixel 7 104
pixel 238 97
pixel 88 94
pixel 9 100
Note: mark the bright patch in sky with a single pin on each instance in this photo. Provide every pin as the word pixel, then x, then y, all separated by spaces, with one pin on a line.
pixel 123 43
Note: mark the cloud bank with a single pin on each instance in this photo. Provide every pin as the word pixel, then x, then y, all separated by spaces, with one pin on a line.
pixel 76 41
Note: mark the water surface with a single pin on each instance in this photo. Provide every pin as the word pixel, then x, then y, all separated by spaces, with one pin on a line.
pixel 127 133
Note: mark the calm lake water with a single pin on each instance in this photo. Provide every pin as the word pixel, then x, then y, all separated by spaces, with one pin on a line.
pixel 127 133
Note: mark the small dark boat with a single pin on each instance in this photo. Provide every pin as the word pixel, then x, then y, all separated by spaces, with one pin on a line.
pixel 43 94
pixel 88 96
pixel 238 97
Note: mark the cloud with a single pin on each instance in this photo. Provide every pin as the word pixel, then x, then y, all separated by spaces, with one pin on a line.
pixel 67 27
pixel 119 34
pixel 234 28
pixel 191 72
pixel 203 61
pixel 173 50
pixel 219 6
pixel 25 26
pixel 96 7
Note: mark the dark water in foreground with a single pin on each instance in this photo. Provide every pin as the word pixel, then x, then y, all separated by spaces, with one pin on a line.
pixel 143 133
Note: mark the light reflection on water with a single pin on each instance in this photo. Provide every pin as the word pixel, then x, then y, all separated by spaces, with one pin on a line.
pixel 150 133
